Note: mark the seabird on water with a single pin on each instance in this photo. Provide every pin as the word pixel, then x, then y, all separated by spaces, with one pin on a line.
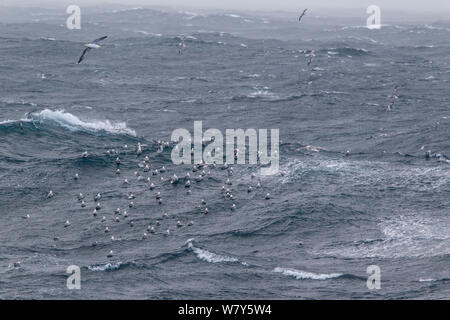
pixel 174 179
pixel 89 46
pixel 138 149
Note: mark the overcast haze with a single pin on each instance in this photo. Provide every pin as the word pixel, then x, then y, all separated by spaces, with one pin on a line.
pixel 440 8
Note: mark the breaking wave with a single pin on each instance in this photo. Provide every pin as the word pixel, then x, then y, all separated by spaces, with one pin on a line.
pixel 72 122
pixel 304 275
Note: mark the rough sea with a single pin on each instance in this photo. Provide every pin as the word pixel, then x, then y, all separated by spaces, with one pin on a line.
pixel 329 216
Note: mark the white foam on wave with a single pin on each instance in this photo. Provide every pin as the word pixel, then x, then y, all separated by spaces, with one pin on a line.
pixel 304 275
pixel 411 235
pixel 106 267
pixel 148 33
pixel 370 173
pixel 72 122
pixel 7 121
pixel 262 93
pixel 427 280
pixel 208 256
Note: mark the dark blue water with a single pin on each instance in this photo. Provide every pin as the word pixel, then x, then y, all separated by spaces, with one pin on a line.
pixel 330 216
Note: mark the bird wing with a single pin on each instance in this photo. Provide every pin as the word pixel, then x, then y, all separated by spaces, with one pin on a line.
pixel 301 16
pixel 83 54
pixel 99 39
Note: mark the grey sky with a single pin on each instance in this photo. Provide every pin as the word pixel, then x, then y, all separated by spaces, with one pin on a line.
pixel 438 7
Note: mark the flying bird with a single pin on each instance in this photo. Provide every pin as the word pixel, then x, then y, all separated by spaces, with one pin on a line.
pixel 301 16
pixel 392 99
pixel 89 46
pixel 310 57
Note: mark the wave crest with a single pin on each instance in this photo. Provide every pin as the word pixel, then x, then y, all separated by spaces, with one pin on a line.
pixel 106 267
pixel 210 257
pixel 304 275
pixel 72 122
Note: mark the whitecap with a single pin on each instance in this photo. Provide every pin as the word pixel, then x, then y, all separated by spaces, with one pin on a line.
pixel 106 267
pixel 72 122
pixel 304 275
pixel 233 15
pixel 210 257
pixel 427 280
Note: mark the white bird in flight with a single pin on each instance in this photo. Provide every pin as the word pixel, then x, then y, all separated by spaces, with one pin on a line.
pixel 89 46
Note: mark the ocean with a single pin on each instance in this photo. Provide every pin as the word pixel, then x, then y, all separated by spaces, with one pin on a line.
pixel 331 214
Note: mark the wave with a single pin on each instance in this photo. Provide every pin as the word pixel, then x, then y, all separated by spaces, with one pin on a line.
pixel 304 275
pixel 148 33
pixel 106 267
pixel 260 93
pixel 210 257
pixel 345 51
pixel 404 236
pixel 8 121
pixel 8 101
pixel 427 280
pixel 73 123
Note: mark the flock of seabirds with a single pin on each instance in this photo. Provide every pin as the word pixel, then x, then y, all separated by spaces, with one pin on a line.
pixel 199 171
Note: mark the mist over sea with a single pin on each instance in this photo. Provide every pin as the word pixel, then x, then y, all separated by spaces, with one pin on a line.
pixel 329 215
